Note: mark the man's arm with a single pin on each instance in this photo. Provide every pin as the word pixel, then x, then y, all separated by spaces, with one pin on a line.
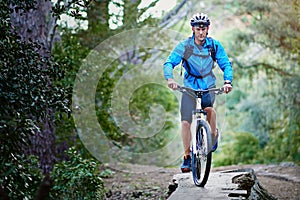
pixel 172 61
pixel 224 62
pixel 225 65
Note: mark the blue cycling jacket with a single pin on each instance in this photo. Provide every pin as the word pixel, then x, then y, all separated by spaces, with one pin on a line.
pixel 200 63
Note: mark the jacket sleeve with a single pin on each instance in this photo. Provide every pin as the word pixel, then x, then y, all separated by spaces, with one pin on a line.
pixel 223 61
pixel 173 60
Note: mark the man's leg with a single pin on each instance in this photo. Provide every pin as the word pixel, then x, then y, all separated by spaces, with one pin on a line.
pixel 188 104
pixel 186 137
pixel 212 120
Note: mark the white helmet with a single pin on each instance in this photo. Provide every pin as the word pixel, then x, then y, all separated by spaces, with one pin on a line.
pixel 200 19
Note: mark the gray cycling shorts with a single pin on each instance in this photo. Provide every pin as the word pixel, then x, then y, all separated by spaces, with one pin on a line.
pixel 188 104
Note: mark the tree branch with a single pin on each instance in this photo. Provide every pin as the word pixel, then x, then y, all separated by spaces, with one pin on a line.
pixel 264 65
pixel 173 17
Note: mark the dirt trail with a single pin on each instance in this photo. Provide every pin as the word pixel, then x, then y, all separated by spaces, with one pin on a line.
pixel 282 181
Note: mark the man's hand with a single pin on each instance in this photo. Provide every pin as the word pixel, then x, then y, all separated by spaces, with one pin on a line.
pixel 227 87
pixel 172 84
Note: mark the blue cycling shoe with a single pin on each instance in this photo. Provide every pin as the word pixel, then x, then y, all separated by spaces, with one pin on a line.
pixel 186 165
pixel 214 148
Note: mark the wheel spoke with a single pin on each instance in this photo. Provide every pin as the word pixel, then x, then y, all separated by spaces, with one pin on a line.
pixel 201 159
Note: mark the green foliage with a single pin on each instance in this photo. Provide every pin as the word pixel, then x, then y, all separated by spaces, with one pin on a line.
pixel 103 98
pixel 76 178
pixel 68 54
pixel 289 98
pixel 21 176
pixel 271 113
pixel 26 91
pixel 74 47
pixel 282 145
pixel 26 95
pixel 285 133
pixel 146 95
pixel 264 101
pixel 140 108
pixel 241 148
pixel 236 96
pixel 275 26
pixel 72 8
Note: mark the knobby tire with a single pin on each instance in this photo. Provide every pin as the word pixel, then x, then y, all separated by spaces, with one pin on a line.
pixel 201 164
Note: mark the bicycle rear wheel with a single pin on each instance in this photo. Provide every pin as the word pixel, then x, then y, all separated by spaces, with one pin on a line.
pixel 201 153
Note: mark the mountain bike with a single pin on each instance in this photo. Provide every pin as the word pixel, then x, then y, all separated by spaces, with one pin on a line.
pixel 201 148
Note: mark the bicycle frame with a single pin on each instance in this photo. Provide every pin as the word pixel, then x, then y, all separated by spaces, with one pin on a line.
pixel 199 113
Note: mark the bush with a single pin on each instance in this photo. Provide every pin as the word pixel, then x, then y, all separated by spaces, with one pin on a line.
pixel 20 177
pixel 243 148
pixel 76 178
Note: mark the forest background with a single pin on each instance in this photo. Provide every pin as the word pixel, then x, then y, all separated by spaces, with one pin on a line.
pixel 45 117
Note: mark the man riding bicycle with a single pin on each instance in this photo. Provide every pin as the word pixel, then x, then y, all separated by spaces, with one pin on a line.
pixel 197 54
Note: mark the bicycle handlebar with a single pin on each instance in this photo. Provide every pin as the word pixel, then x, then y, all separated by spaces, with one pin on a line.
pixel 215 90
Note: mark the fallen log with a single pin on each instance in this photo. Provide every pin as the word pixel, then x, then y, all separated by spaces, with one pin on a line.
pixel 250 183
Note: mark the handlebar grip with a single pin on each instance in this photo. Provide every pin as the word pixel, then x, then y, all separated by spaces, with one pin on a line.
pixel 219 91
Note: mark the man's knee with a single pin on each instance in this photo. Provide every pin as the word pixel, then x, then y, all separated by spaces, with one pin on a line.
pixel 210 110
pixel 185 124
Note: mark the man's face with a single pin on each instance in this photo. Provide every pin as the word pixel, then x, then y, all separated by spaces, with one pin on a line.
pixel 200 33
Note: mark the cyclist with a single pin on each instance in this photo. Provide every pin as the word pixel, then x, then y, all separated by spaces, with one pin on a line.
pixel 197 54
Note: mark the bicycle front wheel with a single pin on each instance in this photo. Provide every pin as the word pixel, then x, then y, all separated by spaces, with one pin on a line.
pixel 201 153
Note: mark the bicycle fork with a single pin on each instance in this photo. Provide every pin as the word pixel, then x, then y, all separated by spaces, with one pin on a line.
pixel 197 115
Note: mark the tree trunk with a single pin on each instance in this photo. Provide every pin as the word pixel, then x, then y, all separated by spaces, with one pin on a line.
pixel 130 18
pixel 98 27
pixel 250 183
pixel 97 15
pixel 34 25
